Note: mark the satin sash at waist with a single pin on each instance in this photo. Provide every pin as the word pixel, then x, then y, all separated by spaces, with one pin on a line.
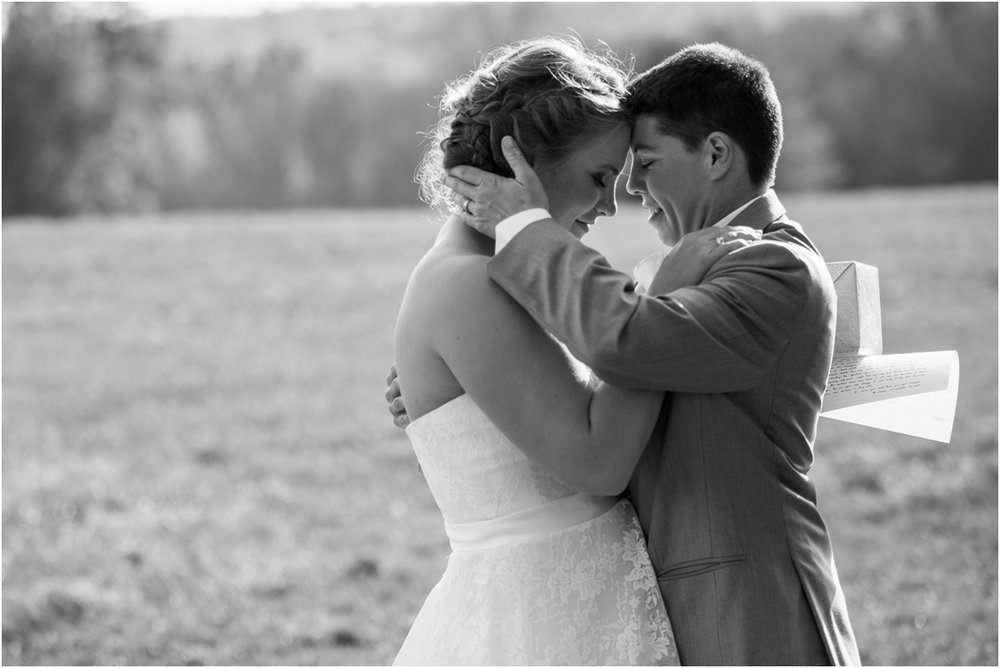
pixel 528 524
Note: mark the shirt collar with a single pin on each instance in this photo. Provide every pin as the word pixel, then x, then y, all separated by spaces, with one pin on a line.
pixel 732 216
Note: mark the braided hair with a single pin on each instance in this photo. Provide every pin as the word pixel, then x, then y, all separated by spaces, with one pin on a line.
pixel 549 94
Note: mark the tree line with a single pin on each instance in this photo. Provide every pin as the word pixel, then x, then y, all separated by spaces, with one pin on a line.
pixel 98 116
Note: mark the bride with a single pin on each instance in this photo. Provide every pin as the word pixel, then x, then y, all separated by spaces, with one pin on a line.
pixel 524 453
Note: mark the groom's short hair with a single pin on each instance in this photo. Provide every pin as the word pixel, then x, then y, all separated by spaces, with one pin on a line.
pixel 705 88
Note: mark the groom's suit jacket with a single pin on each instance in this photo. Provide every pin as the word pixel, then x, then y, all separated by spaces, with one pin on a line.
pixel 743 558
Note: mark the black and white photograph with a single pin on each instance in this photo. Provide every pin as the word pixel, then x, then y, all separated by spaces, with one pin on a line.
pixel 500 333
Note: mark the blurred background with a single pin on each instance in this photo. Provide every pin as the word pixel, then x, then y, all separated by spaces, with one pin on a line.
pixel 209 217
pixel 113 108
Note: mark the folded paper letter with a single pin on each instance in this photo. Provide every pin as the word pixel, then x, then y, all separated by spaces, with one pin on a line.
pixel 912 393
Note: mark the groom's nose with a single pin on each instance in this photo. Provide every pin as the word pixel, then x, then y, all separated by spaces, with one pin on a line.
pixel 636 183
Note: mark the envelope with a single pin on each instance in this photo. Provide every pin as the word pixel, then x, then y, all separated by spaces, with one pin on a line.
pixel 859 311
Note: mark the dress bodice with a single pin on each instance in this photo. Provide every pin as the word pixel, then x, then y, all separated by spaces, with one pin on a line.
pixel 473 471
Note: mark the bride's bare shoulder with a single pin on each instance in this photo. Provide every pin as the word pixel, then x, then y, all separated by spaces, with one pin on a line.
pixel 446 280
pixel 450 290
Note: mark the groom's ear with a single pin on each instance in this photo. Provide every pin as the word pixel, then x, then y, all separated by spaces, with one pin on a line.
pixel 720 154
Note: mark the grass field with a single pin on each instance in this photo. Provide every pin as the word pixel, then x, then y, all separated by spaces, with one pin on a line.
pixel 198 466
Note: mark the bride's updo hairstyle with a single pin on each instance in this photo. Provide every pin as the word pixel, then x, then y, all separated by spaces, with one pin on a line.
pixel 550 94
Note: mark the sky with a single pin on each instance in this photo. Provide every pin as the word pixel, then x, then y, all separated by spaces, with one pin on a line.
pixel 175 8
pixel 172 9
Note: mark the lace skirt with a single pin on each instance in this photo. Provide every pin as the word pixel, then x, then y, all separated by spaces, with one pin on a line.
pixel 582 595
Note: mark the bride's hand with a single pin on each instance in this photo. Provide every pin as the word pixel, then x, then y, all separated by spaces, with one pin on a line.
pixel 689 261
pixel 486 198
pixel 395 400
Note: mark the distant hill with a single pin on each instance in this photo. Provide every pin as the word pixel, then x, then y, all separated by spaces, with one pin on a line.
pixel 325 104
pixel 397 41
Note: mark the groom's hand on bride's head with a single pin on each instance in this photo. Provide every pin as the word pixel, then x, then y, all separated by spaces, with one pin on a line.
pixel 697 252
pixel 395 400
pixel 486 199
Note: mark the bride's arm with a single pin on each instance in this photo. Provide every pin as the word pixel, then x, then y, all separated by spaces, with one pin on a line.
pixel 591 438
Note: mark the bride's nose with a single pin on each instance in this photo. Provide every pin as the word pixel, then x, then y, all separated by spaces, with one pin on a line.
pixel 608 206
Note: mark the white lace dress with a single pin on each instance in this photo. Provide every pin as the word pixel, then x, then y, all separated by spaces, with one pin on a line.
pixel 538 574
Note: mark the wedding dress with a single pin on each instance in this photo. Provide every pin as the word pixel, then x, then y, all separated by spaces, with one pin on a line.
pixel 538 574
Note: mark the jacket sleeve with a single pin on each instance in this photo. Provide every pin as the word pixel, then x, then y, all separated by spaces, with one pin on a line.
pixel 722 335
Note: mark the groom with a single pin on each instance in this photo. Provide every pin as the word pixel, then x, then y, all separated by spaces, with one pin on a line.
pixel 743 558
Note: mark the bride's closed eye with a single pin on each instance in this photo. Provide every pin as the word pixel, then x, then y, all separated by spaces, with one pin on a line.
pixel 604 179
